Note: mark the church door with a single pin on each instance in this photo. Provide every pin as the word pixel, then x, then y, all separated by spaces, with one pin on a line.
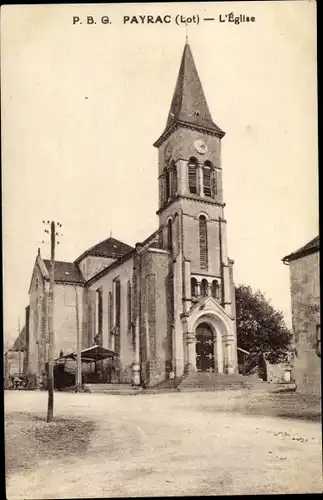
pixel 204 348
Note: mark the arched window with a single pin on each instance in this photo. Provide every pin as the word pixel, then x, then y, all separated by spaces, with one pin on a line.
pixel 204 288
pixel 214 184
pixel 193 287
pixel 203 242
pixel 117 313
pixel 215 289
pixel 207 178
pixel 173 179
pixel 110 311
pixel 192 175
pixel 99 314
pixel 129 304
pixel 167 185
pixel 169 235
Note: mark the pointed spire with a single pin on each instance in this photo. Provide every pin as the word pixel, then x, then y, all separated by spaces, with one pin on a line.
pixel 189 103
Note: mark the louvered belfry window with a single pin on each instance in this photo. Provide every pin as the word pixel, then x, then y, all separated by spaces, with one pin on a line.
pixel 203 242
pixel 167 185
pixel 214 184
pixel 174 180
pixel 192 175
pixel 207 181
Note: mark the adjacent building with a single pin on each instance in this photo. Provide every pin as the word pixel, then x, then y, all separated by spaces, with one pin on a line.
pixel 305 295
pixel 165 307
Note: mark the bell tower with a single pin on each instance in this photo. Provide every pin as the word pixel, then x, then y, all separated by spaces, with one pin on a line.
pixel 190 177
pixel 190 211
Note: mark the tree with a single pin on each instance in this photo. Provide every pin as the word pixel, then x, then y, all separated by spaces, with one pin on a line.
pixel 261 329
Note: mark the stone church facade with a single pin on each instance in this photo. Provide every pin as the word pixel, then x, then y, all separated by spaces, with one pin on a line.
pixel 166 307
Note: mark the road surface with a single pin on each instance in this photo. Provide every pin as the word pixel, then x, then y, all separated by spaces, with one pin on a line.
pixel 161 445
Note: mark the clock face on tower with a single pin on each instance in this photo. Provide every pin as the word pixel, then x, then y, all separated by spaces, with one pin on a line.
pixel 201 147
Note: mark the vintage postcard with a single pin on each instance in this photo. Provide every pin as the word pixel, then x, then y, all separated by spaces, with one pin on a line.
pixel 161 249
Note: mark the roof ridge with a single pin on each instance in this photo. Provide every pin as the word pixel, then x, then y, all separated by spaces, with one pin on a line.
pixel 123 247
pixel 309 247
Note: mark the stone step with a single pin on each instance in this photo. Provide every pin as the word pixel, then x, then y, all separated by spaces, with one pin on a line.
pixel 219 381
pixel 112 388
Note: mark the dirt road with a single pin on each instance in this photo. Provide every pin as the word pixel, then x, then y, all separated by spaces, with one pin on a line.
pixel 168 444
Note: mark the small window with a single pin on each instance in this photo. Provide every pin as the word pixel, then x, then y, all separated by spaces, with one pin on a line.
pixel 193 287
pixel 204 288
pixel 215 289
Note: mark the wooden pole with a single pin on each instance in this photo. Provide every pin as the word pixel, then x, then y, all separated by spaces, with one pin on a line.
pixel 19 346
pixel 78 346
pixel 50 375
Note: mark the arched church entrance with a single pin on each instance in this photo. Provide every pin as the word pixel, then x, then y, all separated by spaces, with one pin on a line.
pixel 204 348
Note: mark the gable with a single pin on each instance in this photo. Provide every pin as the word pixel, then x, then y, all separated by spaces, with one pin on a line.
pixel 37 278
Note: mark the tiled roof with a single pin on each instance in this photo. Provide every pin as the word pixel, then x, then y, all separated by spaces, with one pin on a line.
pixel 68 272
pixel 108 248
pixel 189 103
pixel 310 247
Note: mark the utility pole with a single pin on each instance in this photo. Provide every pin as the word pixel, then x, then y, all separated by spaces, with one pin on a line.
pixel 78 345
pixel 19 347
pixel 51 336
pixel 50 375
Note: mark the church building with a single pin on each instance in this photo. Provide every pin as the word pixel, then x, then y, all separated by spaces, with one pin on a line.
pixel 166 307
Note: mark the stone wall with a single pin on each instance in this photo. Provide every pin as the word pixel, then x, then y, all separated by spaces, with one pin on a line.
pixel 14 365
pixel 305 293
pixel 65 317
pixel 92 265
pixel 121 367
pixel 154 328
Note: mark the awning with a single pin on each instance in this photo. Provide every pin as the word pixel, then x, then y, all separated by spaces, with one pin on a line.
pixel 91 354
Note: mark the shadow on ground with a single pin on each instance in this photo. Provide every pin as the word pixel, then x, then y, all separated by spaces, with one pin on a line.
pixel 30 439
pixel 287 406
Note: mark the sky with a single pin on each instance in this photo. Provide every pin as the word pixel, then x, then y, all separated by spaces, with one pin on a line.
pixel 83 104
